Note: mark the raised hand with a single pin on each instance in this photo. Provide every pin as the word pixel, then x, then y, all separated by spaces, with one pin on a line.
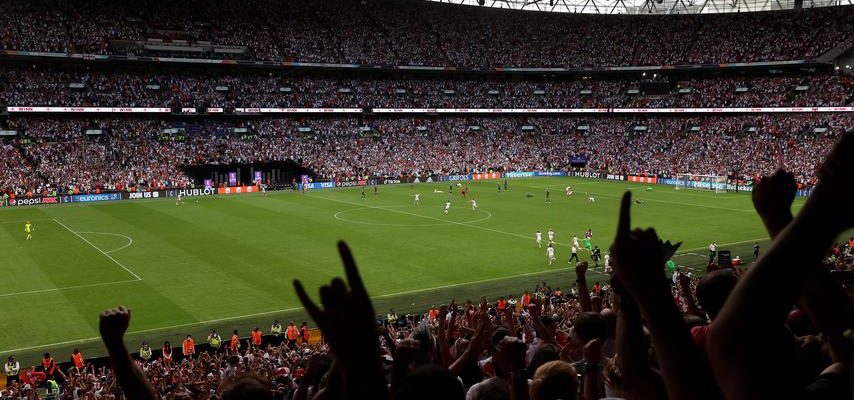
pixel 581 270
pixel 113 324
pixel 347 322
pixel 638 256
pixel 772 199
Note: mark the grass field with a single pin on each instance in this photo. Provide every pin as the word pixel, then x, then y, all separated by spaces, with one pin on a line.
pixel 228 262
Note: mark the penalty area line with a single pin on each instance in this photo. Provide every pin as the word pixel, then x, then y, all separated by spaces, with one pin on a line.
pixel 99 250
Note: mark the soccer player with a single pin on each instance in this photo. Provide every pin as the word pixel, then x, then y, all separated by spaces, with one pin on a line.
pixel 263 190
pixel 505 185
pixel 473 205
pixel 755 250
pixel 376 188
pixel 608 268
pixel 588 234
pixel 499 188
pixel 539 240
pixel 28 228
pixel 363 193
pixel 548 196
pixel 550 252
pixel 591 199
pixel 179 201
pixel 551 235
pixel 447 206
pixel 569 190
pixel 574 255
pixel 575 241
pixel 417 199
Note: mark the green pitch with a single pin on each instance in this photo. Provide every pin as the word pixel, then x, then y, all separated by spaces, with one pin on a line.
pixel 228 262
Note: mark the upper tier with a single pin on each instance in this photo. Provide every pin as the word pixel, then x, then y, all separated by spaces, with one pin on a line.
pixel 395 32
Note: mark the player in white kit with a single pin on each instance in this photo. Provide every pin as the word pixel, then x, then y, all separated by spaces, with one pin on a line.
pixel 551 234
pixel 550 252
pixel 179 201
pixel 575 241
pixel 447 206
pixel 539 239
pixel 473 204
pixel 417 199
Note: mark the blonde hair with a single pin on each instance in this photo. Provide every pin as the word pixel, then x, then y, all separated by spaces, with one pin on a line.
pixel 555 380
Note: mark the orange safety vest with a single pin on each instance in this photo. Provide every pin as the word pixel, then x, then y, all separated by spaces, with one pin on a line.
pixel 78 360
pixel 305 334
pixel 292 332
pixel 526 299
pixel 256 338
pixel 235 342
pixel 189 347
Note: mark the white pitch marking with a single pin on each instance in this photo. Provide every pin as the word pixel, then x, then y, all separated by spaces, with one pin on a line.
pixel 96 248
pixel 67 288
pixel 130 241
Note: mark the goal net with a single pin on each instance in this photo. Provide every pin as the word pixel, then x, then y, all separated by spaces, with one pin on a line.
pixel 716 183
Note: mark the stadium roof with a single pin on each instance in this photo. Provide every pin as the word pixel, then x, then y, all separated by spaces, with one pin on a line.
pixel 648 6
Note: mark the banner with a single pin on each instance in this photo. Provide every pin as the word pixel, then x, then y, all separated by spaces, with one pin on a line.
pixel 88 198
pixel 642 179
pixel 455 177
pixel 549 173
pixel 318 185
pixel 486 175
pixel 518 174
pixel 588 174
pixel 208 183
pixel 32 201
pixel 615 177
pixel 144 195
pixel 149 110
pixel 237 189
pixel 191 192
pixel 4 202
pixel 232 179
pixel 360 182
pixel 259 177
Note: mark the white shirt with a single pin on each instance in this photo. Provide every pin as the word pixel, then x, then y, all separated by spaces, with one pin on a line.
pixel 607 259
pixel 539 236
pixel 574 249
pixel 448 205
pixel 712 247
pixel 12 369
pixel 550 251
pixel 551 235
pixel 575 241
pixel 417 196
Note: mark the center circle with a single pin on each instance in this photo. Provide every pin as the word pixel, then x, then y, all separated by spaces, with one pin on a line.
pixel 340 216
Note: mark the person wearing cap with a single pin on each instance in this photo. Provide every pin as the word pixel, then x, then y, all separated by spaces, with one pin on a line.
pixel 145 352
pixel 214 340
pixel 12 368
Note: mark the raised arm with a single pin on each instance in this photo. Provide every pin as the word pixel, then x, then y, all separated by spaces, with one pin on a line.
pixel 639 264
pixel 745 340
pixel 113 325
pixel 347 321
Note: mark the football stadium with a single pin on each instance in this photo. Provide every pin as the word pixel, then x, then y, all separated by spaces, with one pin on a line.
pixel 427 199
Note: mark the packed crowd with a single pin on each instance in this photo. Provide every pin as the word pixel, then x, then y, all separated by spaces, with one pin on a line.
pixel 624 329
pixel 109 88
pixel 54 153
pixel 393 32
